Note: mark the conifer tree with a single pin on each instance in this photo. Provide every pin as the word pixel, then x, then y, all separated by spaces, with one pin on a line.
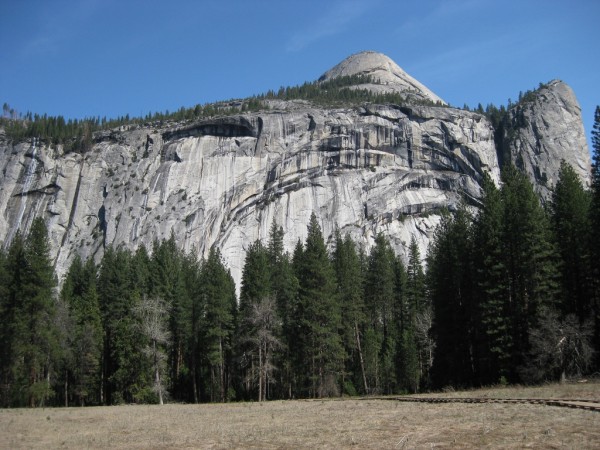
pixel 256 279
pixel 416 295
pixel 284 288
pixel 84 339
pixel 31 334
pixel 124 375
pixel 6 313
pixel 416 303
pixel 451 289
pixel 530 260
pixel 409 371
pixel 192 280
pixel 348 272
pixel 571 225
pixel 380 296
pixel 491 311
pixel 319 317
pixel 13 381
pixel 218 291
pixel 410 336
pixel 166 282
pixel 7 321
pixel 141 273
pixel 275 247
pixel 256 276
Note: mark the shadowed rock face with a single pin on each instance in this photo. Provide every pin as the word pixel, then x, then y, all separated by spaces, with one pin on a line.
pixel 224 181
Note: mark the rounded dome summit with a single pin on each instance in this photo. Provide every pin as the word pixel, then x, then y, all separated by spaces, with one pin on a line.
pixel 388 76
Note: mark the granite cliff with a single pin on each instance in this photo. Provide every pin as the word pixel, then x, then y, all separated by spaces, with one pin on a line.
pixel 546 128
pixel 223 181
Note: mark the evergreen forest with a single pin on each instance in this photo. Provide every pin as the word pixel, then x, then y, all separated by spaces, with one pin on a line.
pixel 509 294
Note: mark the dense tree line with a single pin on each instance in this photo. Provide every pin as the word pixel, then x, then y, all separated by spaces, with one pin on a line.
pixel 77 135
pixel 343 91
pixel 511 294
pixel 143 326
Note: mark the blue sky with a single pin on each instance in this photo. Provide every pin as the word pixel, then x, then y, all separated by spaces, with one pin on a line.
pixel 116 57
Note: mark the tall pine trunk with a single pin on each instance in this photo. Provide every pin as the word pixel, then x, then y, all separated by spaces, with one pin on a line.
pixel 260 373
pixel 360 357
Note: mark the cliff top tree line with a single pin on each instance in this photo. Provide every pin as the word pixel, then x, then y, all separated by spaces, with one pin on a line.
pixel 77 135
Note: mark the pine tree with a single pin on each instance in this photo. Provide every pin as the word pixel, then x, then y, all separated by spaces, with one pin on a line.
pixel 84 339
pixel 218 291
pixel 413 334
pixel 163 269
pixel 416 295
pixel 348 272
pixel 275 247
pixel 530 260
pixel 416 304
pixel 283 283
pixel 451 289
pixel 256 288
pixel 256 276
pixel 192 280
pixel 34 348
pixel 409 372
pixel 284 287
pixel 380 296
pixel 491 311
pixel 141 271
pixel 14 266
pixel 124 372
pixel 571 225
pixel 166 282
pixel 319 317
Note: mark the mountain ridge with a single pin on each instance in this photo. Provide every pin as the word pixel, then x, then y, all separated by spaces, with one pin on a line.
pixel 222 180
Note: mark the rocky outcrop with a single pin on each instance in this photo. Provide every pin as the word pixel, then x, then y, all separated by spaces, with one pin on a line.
pixel 370 169
pixel 389 76
pixel 546 129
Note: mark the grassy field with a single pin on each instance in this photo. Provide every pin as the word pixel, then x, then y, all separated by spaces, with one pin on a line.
pixel 350 423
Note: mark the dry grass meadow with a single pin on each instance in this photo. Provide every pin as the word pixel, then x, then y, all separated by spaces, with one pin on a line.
pixel 348 423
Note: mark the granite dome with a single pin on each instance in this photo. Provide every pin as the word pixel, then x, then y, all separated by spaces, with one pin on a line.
pixel 390 76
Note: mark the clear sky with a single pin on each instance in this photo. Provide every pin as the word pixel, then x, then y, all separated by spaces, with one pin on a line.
pixel 115 57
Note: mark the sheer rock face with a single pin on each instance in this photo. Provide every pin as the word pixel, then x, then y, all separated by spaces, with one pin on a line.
pixel 548 129
pixel 224 181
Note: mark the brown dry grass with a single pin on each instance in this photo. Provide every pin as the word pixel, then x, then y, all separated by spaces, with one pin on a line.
pixel 351 423
pixel 581 390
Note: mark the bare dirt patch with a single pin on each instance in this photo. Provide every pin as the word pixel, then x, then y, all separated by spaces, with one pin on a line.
pixel 351 423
